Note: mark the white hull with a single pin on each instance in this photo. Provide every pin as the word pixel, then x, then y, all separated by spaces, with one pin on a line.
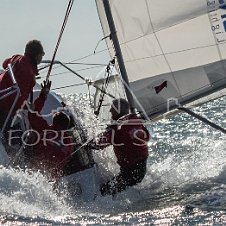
pixel 84 183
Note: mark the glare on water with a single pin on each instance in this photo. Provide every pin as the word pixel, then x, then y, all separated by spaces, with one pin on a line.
pixel 185 181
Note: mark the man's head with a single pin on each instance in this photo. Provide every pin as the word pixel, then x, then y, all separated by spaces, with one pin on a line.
pixel 61 120
pixel 119 107
pixel 35 50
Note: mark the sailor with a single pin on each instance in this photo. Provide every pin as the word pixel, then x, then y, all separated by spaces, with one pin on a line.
pixel 82 157
pixel 129 138
pixel 52 145
pixel 25 70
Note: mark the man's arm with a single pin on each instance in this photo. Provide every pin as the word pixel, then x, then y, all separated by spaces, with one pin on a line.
pixel 40 101
pixel 36 120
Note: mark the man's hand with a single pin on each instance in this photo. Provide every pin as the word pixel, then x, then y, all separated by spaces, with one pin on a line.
pixel 46 85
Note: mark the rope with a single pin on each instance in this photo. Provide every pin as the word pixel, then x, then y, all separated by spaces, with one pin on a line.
pixel 109 36
pixel 60 36
pixel 63 87
pixel 206 121
pixel 104 86
pixel 90 100
pixel 66 72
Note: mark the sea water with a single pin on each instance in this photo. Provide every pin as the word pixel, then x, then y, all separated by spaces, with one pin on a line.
pixel 185 182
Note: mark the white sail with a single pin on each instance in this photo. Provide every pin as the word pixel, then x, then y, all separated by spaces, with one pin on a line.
pixel 171 49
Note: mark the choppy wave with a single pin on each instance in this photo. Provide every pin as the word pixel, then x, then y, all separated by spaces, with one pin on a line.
pixel 185 182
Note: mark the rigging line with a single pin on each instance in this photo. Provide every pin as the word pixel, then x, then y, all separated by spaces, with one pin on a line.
pixel 55 66
pixel 73 85
pixel 89 93
pixel 89 55
pixel 66 72
pixel 53 75
pixel 124 84
pixel 89 68
pixel 106 49
pixel 118 52
pixel 87 64
pixel 69 7
pixel 46 66
pixel 100 42
pixel 206 121
pixel 74 72
pixel 105 85
pixel 93 84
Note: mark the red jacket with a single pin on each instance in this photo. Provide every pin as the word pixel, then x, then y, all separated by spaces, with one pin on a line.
pixel 54 149
pixel 129 139
pixel 25 71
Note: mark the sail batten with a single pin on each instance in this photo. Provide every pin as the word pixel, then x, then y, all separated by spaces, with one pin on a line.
pixel 180 44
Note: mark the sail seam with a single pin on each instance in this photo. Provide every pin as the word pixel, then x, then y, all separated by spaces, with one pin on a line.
pixel 159 30
pixel 169 53
pixel 167 62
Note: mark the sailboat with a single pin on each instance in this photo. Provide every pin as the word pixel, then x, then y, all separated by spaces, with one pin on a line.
pixel 173 52
pixel 170 56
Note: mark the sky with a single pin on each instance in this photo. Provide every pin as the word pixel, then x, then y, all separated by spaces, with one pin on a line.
pixel 23 20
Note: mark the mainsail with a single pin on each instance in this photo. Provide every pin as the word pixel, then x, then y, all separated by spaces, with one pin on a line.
pixel 174 51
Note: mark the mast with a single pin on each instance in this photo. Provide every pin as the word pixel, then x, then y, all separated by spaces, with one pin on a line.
pixel 119 56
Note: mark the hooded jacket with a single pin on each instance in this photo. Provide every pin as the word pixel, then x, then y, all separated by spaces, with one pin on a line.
pixel 25 70
pixel 129 139
pixel 53 146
